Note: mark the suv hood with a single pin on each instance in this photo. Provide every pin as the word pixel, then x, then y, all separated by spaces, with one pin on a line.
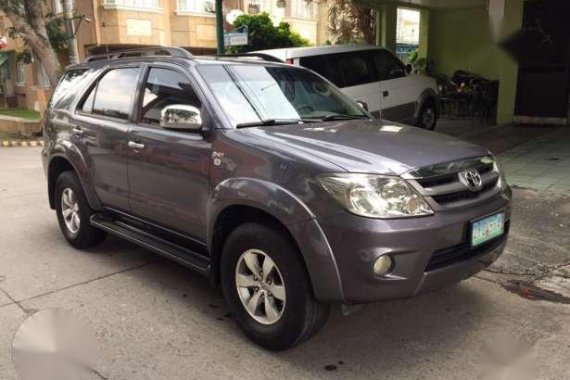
pixel 369 146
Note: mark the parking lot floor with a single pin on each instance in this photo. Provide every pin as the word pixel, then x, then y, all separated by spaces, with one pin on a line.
pixel 154 319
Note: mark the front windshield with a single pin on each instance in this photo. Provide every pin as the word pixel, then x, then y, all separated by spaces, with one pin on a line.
pixel 251 94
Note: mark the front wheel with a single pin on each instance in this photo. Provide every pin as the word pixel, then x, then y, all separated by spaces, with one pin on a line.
pixel 266 287
pixel 427 118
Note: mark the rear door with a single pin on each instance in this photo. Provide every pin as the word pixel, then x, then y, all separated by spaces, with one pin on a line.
pixel 398 90
pixel 169 172
pixel 101 126
pixel 350 71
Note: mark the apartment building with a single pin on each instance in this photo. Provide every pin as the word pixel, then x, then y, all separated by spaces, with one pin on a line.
pixel 109 25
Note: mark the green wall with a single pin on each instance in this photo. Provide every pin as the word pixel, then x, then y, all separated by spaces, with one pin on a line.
pixel 461 39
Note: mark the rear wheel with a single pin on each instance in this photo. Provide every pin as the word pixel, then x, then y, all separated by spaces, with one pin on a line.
pixel 427 118
pixel 266 287
pixel 74 213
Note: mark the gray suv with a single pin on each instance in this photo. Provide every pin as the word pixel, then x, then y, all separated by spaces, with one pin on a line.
pixel 268 180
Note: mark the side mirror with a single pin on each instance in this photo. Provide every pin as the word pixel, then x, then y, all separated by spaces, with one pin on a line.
pixel 362 104
pixel 181 117
pixel 409 69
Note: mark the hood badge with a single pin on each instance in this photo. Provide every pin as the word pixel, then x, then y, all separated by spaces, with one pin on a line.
pixel 472 179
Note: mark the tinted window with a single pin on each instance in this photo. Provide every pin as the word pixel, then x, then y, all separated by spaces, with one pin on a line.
pixel 253 93
pixel 163 88
pixel 114 94
pixel 354 69
pixel 325 65
pixel 67 88
pixel 388 66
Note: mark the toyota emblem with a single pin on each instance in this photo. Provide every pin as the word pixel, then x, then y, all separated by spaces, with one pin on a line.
pixel 472 179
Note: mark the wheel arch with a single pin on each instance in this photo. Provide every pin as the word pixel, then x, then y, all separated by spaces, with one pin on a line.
pixel 68 158
pixel 296 221
pixel 427 95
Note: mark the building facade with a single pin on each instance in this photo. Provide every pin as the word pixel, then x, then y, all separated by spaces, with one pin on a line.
pixel 110 25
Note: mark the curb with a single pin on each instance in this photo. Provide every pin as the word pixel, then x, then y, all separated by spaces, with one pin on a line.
pixel 19 143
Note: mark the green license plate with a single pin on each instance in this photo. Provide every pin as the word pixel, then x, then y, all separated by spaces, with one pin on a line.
pixel 487 229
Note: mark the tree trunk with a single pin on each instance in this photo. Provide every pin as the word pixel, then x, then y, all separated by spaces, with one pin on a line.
pixel 32 29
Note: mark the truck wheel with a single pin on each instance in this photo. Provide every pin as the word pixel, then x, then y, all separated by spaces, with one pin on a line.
pixel 73 212
pixel 427 117
pixel 266 287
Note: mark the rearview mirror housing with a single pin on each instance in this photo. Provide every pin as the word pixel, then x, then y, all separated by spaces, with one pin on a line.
pixel 362 104
pixel 181 117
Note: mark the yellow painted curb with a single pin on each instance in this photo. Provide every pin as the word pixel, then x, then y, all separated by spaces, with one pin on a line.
pixel 15 143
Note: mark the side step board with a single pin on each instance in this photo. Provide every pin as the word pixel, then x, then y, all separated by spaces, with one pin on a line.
pixel 175 252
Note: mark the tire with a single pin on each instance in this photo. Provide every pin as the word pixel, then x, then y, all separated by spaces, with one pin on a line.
pixel 76 229
pixel 427 118
pixel 301 316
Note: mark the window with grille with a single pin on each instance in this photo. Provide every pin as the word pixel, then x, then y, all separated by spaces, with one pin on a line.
pixel 197 6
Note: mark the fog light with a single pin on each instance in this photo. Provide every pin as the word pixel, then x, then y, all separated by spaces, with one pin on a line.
pixel 383 265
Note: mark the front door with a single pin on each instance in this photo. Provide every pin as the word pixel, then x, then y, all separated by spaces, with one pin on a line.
pixel 397 89
pixel 101 125
pixel 168 170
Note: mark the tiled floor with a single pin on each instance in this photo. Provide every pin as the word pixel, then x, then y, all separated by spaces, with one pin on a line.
pixel 540 164
pixel 536 157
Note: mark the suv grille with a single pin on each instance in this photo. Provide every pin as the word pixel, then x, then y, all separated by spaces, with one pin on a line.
pixel 444 185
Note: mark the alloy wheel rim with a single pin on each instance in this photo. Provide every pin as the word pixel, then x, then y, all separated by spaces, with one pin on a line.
pixel 70 210
pixel 260 286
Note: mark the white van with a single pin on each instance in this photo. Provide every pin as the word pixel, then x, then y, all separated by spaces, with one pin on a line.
pixel 372 75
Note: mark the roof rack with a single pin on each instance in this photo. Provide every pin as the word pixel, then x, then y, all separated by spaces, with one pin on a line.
pixel 265 57
pixel 176 52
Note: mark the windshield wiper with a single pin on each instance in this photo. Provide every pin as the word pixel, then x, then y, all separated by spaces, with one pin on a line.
pixel 343 117
pixel 267 122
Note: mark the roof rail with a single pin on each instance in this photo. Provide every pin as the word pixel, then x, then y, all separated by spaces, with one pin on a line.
pixel 177 52
pixel 265 57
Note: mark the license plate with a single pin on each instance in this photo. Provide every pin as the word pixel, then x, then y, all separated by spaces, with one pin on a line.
pixel 487 229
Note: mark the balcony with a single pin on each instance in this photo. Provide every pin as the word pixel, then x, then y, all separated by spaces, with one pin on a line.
pixel 134 5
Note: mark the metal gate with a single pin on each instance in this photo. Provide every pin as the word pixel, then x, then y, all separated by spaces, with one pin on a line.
pixel 544 58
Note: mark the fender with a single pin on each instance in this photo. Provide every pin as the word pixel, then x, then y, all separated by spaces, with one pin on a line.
pixel 68 151
pixel 425 95
pixel 295 215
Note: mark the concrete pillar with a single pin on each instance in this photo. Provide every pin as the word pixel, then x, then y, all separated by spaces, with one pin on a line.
pixel 378 27
pixel 389 25
pixel 423 48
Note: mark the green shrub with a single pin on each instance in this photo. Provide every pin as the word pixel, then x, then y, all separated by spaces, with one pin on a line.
pixel 264 35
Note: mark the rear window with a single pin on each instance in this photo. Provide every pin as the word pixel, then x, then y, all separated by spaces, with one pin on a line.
pixel 354 69
pixel 114 93
pixel 342 69
pixel 324 65
pixel 67 89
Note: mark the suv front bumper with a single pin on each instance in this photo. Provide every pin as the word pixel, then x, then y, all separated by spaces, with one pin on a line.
pixel 428 252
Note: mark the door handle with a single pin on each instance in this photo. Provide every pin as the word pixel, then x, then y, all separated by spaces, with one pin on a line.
pixel 385 93
pixel 135 146
pixel 77 131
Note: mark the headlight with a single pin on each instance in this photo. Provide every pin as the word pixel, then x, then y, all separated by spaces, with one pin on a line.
pixel 375 196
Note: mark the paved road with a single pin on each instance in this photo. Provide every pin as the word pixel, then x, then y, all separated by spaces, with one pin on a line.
pixel 157 320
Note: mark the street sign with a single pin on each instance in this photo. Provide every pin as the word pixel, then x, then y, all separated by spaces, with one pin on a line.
pixel 235 39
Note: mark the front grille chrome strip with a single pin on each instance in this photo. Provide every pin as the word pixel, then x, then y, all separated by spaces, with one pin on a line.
pixel 442 186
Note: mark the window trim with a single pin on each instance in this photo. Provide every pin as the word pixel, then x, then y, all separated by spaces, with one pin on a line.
pixel 94 84
pixel 139 95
